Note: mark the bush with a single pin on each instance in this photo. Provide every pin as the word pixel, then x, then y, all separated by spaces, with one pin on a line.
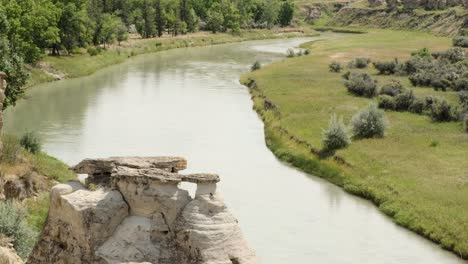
pixel 463 96
pixel 386 67
pixel 256 66
pixel 404 100
pixel 461 84
pixel 392 89
pixel 441 110
pixel 31 142
pixel 422 53
pixel 416 63
pixel 453 55
pixel 346 75
pixel 417 106
pixel 359 63
pixel 336 137
pixel 306 52
pixel 368 123
pixel 290 53
pixel 460 41
pixel 14 226
pixel 361 84
pixel 93 51
pixel 387 102
pixel 335 67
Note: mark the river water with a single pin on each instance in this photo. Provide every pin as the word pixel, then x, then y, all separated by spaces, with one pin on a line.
pixel 189 102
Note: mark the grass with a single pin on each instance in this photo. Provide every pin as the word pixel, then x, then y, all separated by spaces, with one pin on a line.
pixel 421 185
pixel 76 65
pixel 17 161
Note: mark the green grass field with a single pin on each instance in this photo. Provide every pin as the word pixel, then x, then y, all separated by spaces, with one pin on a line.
pixel 424 188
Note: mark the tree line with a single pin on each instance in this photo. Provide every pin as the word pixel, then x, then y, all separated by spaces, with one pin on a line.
pixel 30 28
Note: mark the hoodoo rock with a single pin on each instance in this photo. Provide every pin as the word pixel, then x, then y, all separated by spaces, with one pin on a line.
pixel 131 210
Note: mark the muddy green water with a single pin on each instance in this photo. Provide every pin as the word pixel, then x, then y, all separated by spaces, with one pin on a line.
pixel 188 102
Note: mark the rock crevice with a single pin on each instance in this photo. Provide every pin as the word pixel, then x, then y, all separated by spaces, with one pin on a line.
pixel 131 210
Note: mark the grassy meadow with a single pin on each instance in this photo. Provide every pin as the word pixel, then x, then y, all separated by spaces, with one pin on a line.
pixel 417 173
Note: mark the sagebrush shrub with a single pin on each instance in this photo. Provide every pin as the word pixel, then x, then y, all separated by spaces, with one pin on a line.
pixel 417 106
pixel 336 136
pixel 463 96
pixel 441 110
pixel 453 55
pixel 404 100
pixel 461 84
pixel 393 88
pixel 368 123
pixel 335 67
pixel 31 142
pixel 387 102
pixel 460 41
pixel 290 53
pixel 13 225
pixel 359 63
pixel 386 67
pixel 361 84
pixel 256 66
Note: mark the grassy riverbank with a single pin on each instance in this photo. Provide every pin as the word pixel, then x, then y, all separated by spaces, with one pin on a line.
pixel 421 185
pixel 82 63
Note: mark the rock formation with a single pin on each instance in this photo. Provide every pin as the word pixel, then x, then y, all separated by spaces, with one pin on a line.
pixel 133 211
pixel 7 252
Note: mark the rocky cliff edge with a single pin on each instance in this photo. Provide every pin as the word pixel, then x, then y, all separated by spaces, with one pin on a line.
pixel 133 211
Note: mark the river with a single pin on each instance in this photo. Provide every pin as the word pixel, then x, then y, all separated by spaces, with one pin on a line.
pixel 189 102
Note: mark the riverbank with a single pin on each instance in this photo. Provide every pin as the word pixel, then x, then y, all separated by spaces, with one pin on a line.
pixel 421 186
pixel 52 68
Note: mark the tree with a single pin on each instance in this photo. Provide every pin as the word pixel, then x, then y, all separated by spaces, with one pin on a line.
pixel 286 13
pixel 121 32
pixel 108 30
pixel 215 20
pixel 159 18
pixel 270 13
pixel 12 64
pixel 231 16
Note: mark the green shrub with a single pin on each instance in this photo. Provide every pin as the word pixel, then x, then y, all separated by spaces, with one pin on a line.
pixel 93 51
pixel 441 110
pixel 335 67
pixel 461 84
pixel 13 225
pixel 386 67
pixel 336 137
pixel 361 84
pixel 11 149
pixel 368 123
pixel 359 63
pixel 404 100
pixel 393 88
pixel 460 41
pixel 416 63
pixel 31 142
pixel 434 143
pixel 465 123
pixel 417 106
pixel 422 53
pixel 290 53
pixel 158 44
pixel 463 96
pixel 256 66
pixel 453 55
pixel 306 52
pixel 387 102
pixel 346 75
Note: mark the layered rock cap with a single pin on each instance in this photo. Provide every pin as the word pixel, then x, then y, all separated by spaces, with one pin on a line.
pixel 132 210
